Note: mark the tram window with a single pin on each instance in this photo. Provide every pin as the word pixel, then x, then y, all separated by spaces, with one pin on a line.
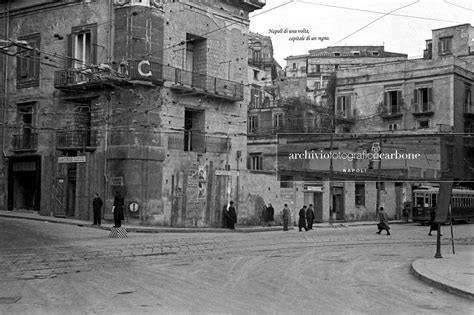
pixel 433 200
pixel 427 201
pixel 419 201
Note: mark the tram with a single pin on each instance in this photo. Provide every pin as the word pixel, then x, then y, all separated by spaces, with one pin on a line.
pixel 425 199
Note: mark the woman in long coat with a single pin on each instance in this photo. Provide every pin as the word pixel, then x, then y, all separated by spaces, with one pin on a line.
pixel 286 217
pixel 118 209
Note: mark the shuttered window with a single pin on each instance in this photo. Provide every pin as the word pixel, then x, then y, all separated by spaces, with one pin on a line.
pixel 28 61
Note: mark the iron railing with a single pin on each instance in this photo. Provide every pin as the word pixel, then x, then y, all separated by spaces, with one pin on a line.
pixel 25 142
pixel 76 138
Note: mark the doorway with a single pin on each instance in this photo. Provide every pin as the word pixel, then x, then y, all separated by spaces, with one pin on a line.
pixel 24 183
pixel 316 199
pixel 338 203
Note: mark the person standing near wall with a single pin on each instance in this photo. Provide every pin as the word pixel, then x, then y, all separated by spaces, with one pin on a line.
pixel 286 217
pixel 310 217
pixel 232 216
pixel 117 209
pixel 97 204
pixel 302 220
pixel 271 214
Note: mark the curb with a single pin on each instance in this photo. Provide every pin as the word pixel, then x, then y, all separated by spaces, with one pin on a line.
pixel 438 284
pixel 146 229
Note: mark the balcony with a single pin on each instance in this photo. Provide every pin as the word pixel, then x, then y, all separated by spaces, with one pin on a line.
pixel 76 140
pixel 186 81
pixel 149 72
pixel 344 117
pixel 468 110
pixel 25 142
pixel 421 109
pixel 392 111
pixel 196 141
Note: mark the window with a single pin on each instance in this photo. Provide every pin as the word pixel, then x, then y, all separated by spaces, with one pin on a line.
pixel 414 172
pixel 255 98
pixel 375 53
pixel 255 74
pixel 337 54
pixel 393 126
pixel 393 102
pixel 423 124
pixel 257 56
pixel 422 99
pixel 468 100
pixel 252 126
pixel 356 53
pixel 336 67
pixel 82 46
pixel 286 181
pixel 343 106
pixel 381 185
pixel 28 61
pixel 277 121
pixel 444 45
pixel 194 137
pixel 255 161
pixel 294 65
pixel 360 194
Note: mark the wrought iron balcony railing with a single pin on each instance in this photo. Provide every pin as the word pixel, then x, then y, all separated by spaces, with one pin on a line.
pixel 152 72
pixel 423 108
pixel 70 139
pixel 25 142
pixel 196 141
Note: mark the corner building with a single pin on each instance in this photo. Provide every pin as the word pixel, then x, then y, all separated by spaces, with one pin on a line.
pixel 148 98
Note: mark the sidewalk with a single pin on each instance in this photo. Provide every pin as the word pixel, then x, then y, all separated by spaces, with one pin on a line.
pixel 31 215
pixel 453 273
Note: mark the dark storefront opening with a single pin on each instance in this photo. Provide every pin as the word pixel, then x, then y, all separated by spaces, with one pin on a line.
pixel 24 183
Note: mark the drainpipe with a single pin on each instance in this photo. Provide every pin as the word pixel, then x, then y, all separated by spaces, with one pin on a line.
pixel 5 93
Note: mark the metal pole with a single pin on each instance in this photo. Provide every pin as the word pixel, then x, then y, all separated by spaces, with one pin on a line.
pixel 377 202
pixel 451 224
pixel 331 178
pixel 438 243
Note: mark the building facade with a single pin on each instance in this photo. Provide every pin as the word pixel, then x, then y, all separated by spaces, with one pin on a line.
pixel 148 98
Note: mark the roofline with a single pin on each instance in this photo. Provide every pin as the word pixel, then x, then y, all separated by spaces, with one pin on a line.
pixel 443 28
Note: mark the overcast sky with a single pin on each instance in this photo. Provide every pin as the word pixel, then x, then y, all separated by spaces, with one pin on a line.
pixel 404 31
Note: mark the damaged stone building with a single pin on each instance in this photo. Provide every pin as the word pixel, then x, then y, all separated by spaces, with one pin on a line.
pixel 145 97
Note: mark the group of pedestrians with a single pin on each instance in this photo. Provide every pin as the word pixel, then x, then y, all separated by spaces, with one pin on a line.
pixel 306 218
pixel 268 215
pixel 117 209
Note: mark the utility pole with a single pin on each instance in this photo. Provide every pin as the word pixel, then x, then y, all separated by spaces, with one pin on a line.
pixel 379 150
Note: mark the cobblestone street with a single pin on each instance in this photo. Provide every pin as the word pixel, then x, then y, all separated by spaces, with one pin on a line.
pixel 56 269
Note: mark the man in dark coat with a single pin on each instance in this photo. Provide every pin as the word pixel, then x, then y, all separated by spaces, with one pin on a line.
pixel 286 217
pixel 117 209
pixel 310 217
pixel 264 216
pixel 232 216
pixel 383 222
pixel 270 214
pixel 302 220
pixel 97 204
pixel 225 217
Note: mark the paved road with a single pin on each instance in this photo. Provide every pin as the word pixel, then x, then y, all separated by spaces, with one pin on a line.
pixel 58 269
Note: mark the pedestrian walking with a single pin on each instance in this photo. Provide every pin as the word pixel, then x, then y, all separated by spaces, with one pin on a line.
pixel 232 216
pixel 433 225
pixel 310 216
pixel 117 209
pixel 270 214
pixel 264 216
pixel 383 222
pixel 97 204
pixel 286 217
pixel 302 220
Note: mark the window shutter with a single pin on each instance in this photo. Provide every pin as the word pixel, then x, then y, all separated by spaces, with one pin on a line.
pixel 70 56
pixel 36 58
pixel 430 97
pixel 260 162
pixel 348 106
pixel 386 101
pixel 94 45
pixel 399 98
pixel 339 104
pixel 415 99
pixel 249 162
